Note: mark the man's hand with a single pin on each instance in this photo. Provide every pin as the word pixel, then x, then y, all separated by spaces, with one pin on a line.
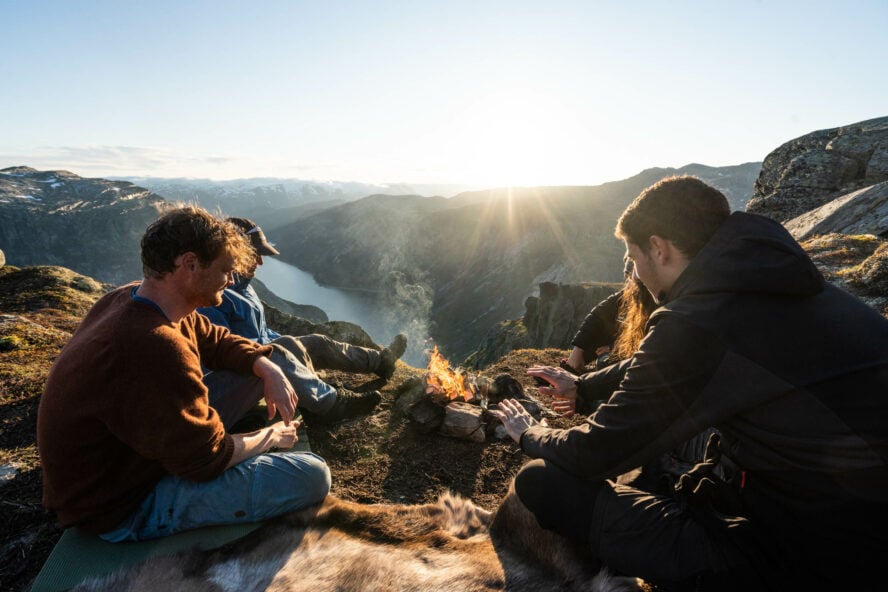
pixel 278 435
pixel 562 383
pixel 279 394
pixel 283 436
pixel 577 359
pixel 564 407
pixel 515 418
pixel 563 388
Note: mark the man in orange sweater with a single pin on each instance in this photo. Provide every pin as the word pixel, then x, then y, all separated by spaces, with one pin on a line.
pixel 132 444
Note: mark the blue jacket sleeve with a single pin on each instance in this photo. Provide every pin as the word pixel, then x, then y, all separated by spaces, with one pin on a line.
pixel 216 316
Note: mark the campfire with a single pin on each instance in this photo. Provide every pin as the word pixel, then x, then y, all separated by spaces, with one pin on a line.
pixel 454 402
pixel 445 385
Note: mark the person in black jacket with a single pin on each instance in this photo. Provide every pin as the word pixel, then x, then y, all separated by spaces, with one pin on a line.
pixel 791 370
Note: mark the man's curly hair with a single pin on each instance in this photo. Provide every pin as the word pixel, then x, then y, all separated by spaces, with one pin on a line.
pixel 190 228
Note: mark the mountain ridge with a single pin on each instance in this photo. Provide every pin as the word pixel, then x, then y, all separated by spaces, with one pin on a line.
pixel 449 267
pixel 469 262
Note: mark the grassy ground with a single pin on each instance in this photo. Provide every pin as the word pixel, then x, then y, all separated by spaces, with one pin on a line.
pixel 39 307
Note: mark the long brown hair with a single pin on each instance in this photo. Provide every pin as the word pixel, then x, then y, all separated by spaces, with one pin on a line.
pixel 636 306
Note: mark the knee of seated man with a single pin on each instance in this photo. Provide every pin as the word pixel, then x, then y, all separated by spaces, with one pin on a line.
pixel 312 475
pixel 530 485
pixel 294 346
pixel 560 501
pixel 287 349
pixel 319 477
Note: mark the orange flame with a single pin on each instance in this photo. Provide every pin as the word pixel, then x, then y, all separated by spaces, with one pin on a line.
pixel 450 383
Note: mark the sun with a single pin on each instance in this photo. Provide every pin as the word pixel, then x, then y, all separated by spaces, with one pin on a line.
pixel 516 137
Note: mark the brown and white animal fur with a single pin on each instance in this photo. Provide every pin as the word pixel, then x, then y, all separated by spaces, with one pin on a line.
pixel 448 546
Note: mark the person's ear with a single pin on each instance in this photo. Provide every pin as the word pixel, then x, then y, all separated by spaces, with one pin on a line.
pixel 659 248
pixel 188 260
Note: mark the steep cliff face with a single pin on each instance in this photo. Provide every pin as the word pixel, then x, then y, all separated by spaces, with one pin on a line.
pixel 550 321
pixel 807 172
pixel 92 226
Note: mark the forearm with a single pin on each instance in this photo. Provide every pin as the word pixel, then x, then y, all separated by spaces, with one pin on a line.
pixel 264 368
pixel 249 445
pixel 577 358
pixel 653 410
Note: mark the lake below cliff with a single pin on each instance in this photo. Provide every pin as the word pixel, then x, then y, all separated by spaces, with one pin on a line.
pixel 363 308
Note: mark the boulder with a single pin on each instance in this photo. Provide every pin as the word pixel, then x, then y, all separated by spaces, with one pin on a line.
pixel 814 169
pixel 864 211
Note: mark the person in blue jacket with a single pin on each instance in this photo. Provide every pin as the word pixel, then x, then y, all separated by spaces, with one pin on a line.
pixel 243 313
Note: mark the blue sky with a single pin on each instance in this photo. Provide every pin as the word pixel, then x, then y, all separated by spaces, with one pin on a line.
pixel 477 92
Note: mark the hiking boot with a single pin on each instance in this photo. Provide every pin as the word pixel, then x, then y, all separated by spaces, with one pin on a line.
pixel 390 355
pixel 348 405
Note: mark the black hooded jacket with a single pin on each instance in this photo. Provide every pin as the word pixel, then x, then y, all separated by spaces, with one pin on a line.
pixel 793 372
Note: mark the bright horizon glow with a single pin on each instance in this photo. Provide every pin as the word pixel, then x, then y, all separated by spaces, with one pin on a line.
pixel 495 93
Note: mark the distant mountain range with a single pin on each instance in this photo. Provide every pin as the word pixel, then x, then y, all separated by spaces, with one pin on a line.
pixel 274 202
pixel 92 226
pixel 449 268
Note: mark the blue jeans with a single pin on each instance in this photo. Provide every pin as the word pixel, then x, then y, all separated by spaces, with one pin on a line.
pixel 259 488
pixel 314 394
pixel 306 354
pixel 233 394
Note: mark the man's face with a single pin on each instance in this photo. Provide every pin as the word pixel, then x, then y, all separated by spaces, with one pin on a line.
pixel 645 267
pixel 210 281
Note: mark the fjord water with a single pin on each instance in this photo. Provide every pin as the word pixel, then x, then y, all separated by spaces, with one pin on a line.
pixel 362 308
pixel 299 287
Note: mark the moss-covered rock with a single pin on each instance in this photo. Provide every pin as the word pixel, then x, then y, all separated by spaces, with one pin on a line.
pixel 855 263
pixel 32 289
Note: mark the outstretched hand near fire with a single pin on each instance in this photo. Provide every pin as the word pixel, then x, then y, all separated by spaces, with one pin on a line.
pixel 562 387
pixel 515 418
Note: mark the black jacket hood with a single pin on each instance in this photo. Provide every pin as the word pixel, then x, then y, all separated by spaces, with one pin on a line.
pixel 750 253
